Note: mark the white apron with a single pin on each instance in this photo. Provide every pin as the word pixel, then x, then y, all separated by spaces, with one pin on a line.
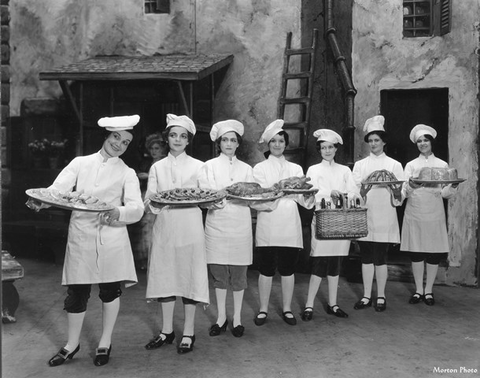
pixel 424 226
pixel 99 253
pixel 381 215
pixel 326 177
pixel 228 231
pixel 177 264
pixel 281 227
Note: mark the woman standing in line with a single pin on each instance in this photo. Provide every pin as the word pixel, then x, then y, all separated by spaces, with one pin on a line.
pixel 141 232
pixel 332 180
pixel 98 248
pixel 177 265
pixel 424 230
pixel 279 232
pixel 228 230
pixel 383 228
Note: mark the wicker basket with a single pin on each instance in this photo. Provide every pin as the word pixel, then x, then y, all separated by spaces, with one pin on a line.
pixel 341 223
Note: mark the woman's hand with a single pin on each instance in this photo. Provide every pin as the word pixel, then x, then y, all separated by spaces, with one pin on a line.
pixel 36 205
pixel 397 191
pixel 108 217
pixel 364 189
pixel 412 184
pixel 335 195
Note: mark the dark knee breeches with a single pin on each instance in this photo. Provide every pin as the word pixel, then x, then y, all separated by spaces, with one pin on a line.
pixel 78 295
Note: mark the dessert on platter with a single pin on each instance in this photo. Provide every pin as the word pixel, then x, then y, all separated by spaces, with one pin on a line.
pixel 381 177
pixel 434 175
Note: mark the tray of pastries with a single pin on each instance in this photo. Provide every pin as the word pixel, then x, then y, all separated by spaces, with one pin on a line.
pixel 69 200
pixel 431 175
pixel 187 197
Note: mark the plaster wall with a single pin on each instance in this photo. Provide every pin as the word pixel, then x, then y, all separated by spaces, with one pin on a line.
pixel 56 32
pixel 383 59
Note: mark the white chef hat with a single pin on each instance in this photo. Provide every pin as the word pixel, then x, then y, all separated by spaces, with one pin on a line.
pixel 420 130
pixel 373 124
pixel 183 121
pixel 271 130
pixel 119 123
pixel 222 127
pixel 327 135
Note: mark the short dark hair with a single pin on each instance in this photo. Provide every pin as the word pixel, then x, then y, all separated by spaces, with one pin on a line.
pixel 430 138
pixel 167 130
pixel 380 133
pixel 287 142
pixel 319 142
pixel 219 139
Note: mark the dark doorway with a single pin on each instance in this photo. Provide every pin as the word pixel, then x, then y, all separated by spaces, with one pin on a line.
pixel 403 109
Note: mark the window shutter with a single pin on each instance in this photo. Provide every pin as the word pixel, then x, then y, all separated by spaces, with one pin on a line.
pixel 442 16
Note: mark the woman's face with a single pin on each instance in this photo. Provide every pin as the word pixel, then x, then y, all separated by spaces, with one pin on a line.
pixel 116 143
pixel 156 151
pixel 328 151
pixel 424 145
pixel 177 140
pixel 229 143
pixel 376 144
pixel 277 145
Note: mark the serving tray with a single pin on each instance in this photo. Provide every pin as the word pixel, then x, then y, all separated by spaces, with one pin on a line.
pixel 69 200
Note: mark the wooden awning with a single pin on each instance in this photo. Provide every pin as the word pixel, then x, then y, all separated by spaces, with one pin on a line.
pixel 158 67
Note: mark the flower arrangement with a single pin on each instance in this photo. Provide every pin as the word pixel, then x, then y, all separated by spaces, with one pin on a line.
pixel 39 147
pixel 44 147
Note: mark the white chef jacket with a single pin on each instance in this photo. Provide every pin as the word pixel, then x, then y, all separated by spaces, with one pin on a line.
pixel 228 231
pixel 424 226
pixel 327 176
pixel 177 265
pixel 99 253
pixel 381 215
pixel 281 227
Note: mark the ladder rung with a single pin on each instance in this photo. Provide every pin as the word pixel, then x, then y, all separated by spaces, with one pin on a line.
pixel 297 100
pixel 306 50
pixel 298 75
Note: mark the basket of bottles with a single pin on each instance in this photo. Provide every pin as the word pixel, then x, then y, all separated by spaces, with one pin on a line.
pixel 343 222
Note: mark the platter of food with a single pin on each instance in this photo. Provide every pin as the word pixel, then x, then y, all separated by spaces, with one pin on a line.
pixel 300 191
pixel 294 183
pixel 262 197
pixel 435 182
pixel 392 182
pixel 252 191
pixel 187 197
pixel 69 200
pixel 435 175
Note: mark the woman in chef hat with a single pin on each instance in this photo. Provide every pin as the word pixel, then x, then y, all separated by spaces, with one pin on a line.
pixel 383 228
pixel 332 180
pixel 177 264
pixel 424 230
pixel 278 234
pixel 98 247
pixel 228 230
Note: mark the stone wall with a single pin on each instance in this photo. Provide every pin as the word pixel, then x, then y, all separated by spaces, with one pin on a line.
pixel 382 59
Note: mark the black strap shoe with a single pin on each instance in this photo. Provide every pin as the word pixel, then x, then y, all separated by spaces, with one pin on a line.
pixel 307 314
pixel 102 356
pixel 184 347
pixel 361 304
pixel 62 356
pixel 158 341
pixel 337 311
pixel 216 330
pixel 238 331
pixel 380 307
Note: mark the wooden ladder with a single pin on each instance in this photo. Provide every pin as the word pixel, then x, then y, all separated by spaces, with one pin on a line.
pixel 295 101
